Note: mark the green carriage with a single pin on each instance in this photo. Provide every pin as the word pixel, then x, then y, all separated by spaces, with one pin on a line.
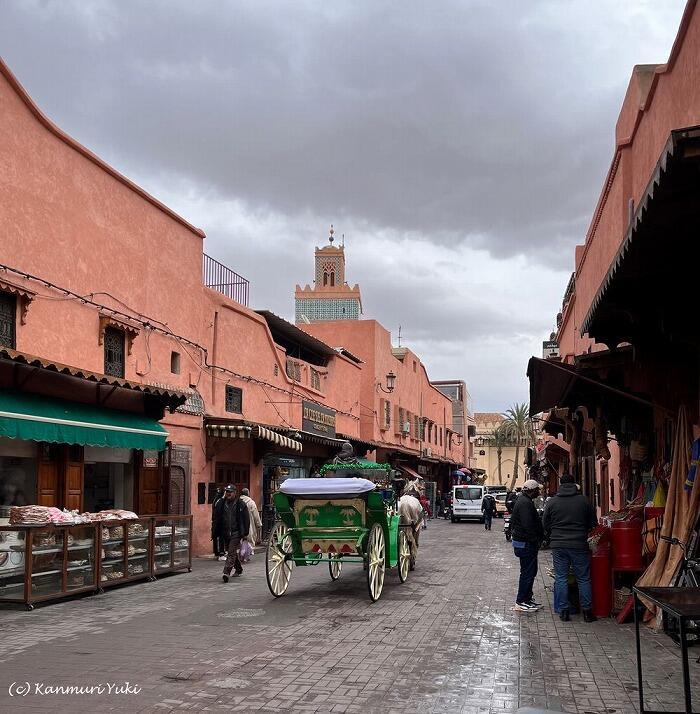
pixel 349 516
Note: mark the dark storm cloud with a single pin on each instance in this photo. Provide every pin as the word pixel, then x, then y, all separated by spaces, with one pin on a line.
pixel 459 120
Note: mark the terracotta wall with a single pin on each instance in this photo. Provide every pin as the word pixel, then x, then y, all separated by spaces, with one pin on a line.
pixel 70 219
pixel 372 343
pixel 655 104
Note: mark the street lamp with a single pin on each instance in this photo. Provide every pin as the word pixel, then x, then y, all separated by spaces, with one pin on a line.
pixel 390 383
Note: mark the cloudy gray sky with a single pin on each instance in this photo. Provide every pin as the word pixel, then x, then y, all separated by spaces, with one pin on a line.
pixel 459 145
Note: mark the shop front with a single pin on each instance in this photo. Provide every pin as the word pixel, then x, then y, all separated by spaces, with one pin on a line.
pixel 79 456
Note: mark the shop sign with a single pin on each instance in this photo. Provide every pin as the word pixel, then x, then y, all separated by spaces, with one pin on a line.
pixel 317 419
pixel 550 349
pixel 150 459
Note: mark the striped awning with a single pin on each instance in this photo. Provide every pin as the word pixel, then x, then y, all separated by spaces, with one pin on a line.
pixel 243 431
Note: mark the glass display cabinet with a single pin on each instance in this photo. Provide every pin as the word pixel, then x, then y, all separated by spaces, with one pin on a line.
pixel 46 562
pixel 125 551
pixel 172 544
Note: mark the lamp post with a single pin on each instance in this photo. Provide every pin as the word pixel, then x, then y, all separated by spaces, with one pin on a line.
pixel 390 383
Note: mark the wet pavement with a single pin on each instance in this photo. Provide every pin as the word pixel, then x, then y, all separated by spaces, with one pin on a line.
pixel 445 641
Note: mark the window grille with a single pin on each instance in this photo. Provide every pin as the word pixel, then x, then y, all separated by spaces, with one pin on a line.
pixel 294 370
pixel 386 413
pixel 234 399
pixel 8 316
pixel 315 379
pixel 114 352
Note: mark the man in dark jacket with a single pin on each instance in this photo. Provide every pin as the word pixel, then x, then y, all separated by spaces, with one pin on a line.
pixel 488 508
pixel 568 517
pixel 219 544
pixel 232 522
pixel 526 529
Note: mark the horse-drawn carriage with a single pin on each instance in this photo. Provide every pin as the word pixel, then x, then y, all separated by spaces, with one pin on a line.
pixel 351 515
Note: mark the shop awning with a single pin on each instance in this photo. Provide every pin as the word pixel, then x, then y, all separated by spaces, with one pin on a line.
pixel 555 384
pixel 318 439
pixel 408 470
pixel 33 417
pixel 244 431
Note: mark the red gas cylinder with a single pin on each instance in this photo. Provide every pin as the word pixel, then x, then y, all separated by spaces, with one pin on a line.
pixel 601 582
pixel 627 545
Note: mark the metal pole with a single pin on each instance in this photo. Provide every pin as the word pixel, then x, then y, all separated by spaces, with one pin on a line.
pixel 639 652
pixel 684 663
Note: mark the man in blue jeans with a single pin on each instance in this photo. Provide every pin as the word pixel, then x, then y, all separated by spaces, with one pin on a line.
pixel 526 529
pixel 568 517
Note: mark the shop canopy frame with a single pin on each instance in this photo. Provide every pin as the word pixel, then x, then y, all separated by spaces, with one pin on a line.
pixel 556 384
pixel 34 417
pixel 256 432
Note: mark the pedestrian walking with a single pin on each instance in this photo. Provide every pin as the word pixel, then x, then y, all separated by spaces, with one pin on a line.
pixel 567 519
pixel 233 523
pixel 217 540
pixel 488 508
pixel 426 510
pixel 527 531
pixel 255 523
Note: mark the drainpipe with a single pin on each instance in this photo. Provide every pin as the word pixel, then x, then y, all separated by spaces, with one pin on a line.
pixel 214 357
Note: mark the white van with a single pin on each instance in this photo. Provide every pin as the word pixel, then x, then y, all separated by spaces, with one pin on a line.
pixel 466 503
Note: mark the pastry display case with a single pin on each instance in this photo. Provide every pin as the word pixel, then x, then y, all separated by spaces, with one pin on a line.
pixel 172 544
pixel 125 551
pixel 47 562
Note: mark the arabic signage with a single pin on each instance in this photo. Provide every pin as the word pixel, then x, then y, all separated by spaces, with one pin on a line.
pixel 317 419
pixel 550 349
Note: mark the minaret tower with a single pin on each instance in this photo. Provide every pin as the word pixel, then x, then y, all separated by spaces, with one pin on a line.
pixel 331 298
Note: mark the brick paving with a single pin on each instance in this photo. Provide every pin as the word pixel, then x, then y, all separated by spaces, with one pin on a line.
pixel 446 641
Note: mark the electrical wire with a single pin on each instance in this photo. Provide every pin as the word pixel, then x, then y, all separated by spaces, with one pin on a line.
pixel 153 324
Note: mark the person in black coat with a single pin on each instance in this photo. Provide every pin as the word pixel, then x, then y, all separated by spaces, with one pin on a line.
pixel 527 533
pixel 232 523
pixel 488 508
pixel 218 541
pixel 567 519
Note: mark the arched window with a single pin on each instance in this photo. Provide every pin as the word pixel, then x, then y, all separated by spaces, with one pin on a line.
pixel 332 279
pixel 325 278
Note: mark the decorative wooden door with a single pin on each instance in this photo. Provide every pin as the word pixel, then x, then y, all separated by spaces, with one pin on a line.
pixel 47 486
pixel 73 478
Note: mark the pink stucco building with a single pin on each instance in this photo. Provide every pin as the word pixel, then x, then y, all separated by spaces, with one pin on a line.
pixel 114 321
pixel 104 304
pixel 628 350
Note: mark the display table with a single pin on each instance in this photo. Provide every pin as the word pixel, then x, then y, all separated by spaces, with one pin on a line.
pixel 684 605
pixel 48 562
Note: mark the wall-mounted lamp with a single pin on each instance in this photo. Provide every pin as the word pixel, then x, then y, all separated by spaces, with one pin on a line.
pixel 390 383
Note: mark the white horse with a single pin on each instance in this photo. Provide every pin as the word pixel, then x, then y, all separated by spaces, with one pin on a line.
pixel 411 514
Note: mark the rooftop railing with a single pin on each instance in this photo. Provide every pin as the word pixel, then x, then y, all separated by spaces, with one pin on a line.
pixel 221 278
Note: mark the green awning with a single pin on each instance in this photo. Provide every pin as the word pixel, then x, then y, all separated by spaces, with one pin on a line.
pixel 37 418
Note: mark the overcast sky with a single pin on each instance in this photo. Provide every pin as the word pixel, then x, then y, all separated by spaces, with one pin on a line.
pixel 459 146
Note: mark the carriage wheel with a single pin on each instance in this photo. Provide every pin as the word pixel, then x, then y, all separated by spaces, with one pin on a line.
pixel 376 562
pixel 277 566
pixel 404 556
pixel 335 565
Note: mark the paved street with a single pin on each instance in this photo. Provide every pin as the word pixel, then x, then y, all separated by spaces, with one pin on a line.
pixel 446 641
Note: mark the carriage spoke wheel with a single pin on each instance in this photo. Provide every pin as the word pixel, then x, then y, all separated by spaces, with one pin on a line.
pixel 404 556
pixel 376 562
pixel 335 565
pixel 278 567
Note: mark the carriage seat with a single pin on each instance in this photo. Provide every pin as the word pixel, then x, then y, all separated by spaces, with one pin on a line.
pixel 326 486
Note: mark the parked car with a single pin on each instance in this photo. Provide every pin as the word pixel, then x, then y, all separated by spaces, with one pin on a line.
pixel 501 509
pixel 466 503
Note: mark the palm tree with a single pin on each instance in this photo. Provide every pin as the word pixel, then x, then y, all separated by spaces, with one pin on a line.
pixel 499 440
pixel 520 429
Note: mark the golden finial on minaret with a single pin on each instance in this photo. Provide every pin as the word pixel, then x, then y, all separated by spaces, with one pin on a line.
pixel 330 237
